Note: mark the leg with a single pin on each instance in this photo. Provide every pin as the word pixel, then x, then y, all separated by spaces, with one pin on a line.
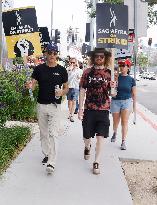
pixel 43 126
pixel 69 98
pixel 87 125
pixel 70 102
pixel 102 130
pixel 87 142
pixel 75 93
pixel 77 107
pixel 98 149
pixel 87 148
pixel 115 109
pixel 54 126
pixel 73 107
pixel 116 119
pixel 124 122
pixel 72 110
pixel 77 102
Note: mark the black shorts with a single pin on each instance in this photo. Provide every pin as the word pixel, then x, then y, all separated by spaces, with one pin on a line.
pixel 95 122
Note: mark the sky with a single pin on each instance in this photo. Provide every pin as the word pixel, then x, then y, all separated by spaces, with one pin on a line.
pixel 62 18
pixel 63 11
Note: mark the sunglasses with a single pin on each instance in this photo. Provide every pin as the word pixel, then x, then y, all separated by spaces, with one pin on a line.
pixel 52 52
pixel 72 62
pixel 101 56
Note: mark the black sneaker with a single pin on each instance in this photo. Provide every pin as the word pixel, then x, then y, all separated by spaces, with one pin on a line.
pixel 113 138
pixel 87 153
pixel 45 160
pixel 50 169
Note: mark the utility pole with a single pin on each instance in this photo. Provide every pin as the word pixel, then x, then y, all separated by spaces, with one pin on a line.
pixel 51 19
pixel 91 29
pixel 135 49
pixel 136 37
pixel 92 24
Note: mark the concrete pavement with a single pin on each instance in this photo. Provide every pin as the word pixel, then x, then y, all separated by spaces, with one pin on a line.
pixel 73 183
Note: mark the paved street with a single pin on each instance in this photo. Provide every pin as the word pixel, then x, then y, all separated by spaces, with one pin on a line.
pixel 146 94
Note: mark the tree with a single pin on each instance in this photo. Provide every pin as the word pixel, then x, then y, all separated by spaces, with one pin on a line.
pixel 142 60
pixel 152 15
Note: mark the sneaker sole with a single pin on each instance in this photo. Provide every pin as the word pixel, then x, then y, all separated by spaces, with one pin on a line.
pixel 49 170
pixel 123 148
pixel 86 157
pixel 113 140
pixel 96 172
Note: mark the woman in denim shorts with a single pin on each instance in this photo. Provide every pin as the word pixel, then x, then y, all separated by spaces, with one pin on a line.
pixel 123 102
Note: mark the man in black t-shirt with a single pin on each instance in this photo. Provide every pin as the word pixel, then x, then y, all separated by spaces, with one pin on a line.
pixel 52 79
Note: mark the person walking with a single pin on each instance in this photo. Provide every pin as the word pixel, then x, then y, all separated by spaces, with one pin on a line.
pixel 123 102
pixel 95 87
pixel 74 75
pixel 80 68
pixel 53 84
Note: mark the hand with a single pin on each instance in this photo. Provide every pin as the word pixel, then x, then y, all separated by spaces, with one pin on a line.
pixel 113 84
pixel 28 84
pixel 80 114
pixel 70 67
pixel 59 92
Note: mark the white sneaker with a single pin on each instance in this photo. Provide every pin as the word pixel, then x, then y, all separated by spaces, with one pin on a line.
pixel 123 146
pixel 71 119
pixel 50 169
pixel 96 169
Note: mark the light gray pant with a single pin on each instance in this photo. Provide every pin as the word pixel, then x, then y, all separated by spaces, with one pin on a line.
pixel 49 125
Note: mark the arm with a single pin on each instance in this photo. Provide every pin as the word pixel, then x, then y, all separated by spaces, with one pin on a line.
pixel 113 84
pixel 65 88
pixel 34 83
pixel 133 93
pixel 81 102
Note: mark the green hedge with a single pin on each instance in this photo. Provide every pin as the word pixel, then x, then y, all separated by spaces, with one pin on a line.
pixel 15 102
pixel 12 141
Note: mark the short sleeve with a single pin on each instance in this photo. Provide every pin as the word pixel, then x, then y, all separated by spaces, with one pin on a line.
pixel 133 82
pixel 84 79
pixel 35 74
pixel 64 75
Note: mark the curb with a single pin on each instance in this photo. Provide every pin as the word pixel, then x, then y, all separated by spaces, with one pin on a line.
pixel 147 116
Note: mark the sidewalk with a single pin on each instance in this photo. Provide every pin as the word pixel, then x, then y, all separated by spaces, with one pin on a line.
pixel 73 183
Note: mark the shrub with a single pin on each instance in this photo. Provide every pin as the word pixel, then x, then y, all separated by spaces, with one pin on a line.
pixel 15 102
pixel 12 140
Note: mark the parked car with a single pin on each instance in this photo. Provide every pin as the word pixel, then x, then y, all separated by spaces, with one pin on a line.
pixel 144 75
pixel 151 76
pixel 137 76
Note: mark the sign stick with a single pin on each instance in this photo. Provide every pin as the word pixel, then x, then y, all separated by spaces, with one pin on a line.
pixel 112 69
